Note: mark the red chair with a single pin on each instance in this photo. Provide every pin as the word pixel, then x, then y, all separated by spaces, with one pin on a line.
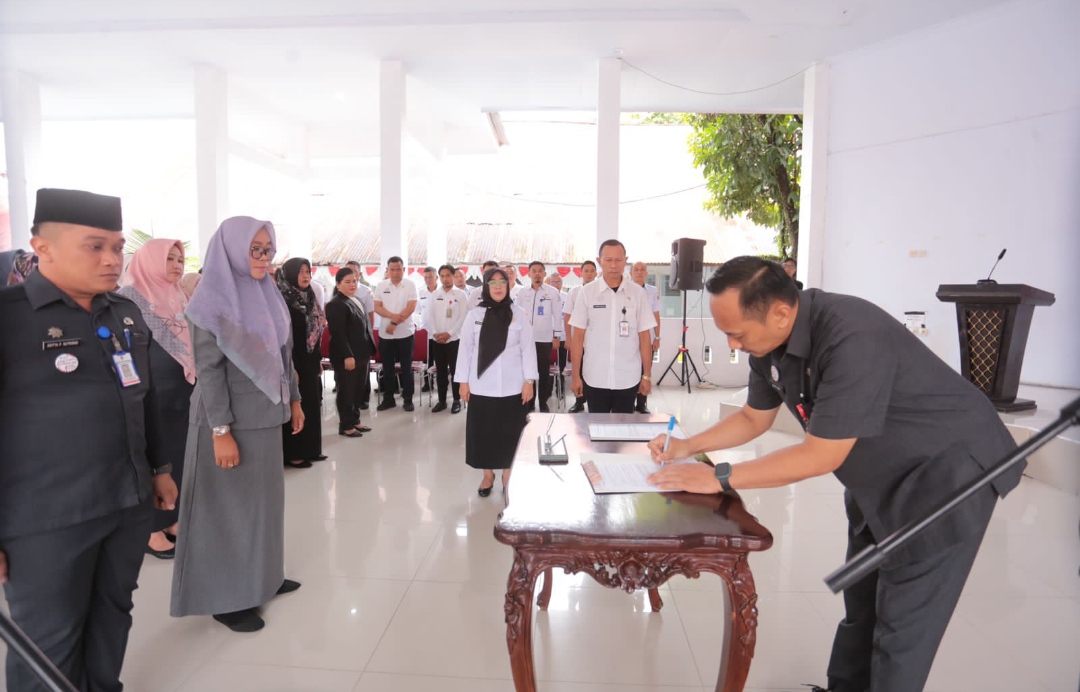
pixel 420 358
pixel 324 350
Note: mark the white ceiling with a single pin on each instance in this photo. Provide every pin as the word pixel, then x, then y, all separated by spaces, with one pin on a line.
pixel 316 62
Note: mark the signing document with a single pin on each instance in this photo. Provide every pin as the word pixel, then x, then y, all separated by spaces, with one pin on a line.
pixel 629 473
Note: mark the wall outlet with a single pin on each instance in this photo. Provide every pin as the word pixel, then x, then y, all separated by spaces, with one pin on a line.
pixel 708 355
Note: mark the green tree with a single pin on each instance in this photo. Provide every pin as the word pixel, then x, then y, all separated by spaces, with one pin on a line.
pixel 751 164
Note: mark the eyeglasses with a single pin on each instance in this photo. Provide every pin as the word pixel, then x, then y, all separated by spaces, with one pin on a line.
pixel 497 284
pixel 261 252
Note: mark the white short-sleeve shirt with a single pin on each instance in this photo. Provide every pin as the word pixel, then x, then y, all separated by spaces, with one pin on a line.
pixel 366 297
pixel 612 361
pixel 544 307
pixel 445 312
pixel 654 305
pixel 395 298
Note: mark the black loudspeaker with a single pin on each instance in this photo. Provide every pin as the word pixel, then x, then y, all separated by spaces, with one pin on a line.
pixel 687 265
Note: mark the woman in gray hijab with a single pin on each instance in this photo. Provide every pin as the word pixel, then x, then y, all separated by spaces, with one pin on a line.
pixel 230 554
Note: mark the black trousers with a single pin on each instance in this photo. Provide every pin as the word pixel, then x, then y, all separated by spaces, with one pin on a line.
pixel 445 357
pixel 70 591
pixel 543 370
pixel 350 393
pixel 894 619
pixel 397 351
pixel 610 400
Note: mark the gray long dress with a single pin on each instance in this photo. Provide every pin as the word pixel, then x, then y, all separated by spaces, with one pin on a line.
pixel 231 550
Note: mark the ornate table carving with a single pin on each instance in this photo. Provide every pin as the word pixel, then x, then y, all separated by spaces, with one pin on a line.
pixel 628 542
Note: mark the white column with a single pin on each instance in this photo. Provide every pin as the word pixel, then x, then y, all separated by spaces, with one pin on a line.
pixel 211 151
pixel 393 240
pixel 21 99
pixel 815 157
pixel 609 109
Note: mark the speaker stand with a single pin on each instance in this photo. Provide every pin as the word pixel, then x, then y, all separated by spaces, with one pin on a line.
pixel 684 356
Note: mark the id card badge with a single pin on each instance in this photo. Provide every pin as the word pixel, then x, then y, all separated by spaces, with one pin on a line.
pixel 125 368
pixel 540 310
pixel 624 328
pixel 449 312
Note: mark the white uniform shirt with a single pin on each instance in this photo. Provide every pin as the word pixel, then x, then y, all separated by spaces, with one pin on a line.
pixel 507 375
pixel 446 312
pixel 424 295
pixel 475 296
pixel 612 361
pixel 544 308
pixel 395 298
pixel 654 304
pixel 367 299
pixel 320 294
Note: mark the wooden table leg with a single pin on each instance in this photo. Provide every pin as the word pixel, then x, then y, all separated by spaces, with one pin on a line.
pixel 655 601
pixel 518 608
pixel 545 591
pixel 743 597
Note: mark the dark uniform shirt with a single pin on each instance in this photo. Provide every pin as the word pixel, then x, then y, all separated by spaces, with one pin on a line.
pixel 76 445
pixel 849 370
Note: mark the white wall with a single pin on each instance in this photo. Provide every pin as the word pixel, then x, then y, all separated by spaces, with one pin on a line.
pixel 958 141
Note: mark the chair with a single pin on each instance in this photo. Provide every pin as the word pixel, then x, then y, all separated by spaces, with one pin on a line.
pixel 376 365
pixel 324 350
pixel 420 358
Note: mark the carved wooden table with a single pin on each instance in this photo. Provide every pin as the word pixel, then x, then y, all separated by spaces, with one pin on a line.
pixel 554 520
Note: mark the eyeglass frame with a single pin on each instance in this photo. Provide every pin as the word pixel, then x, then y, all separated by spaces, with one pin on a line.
pixel 257 252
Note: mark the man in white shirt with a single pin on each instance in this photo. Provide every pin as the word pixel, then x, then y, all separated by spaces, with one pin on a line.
pixel 478 292
pixel 459 281
pixel 446 311
pixel 431 284
pixel 515 286
pixel 638 274
pixel 543 305
pixel 612 342
pixel 554 280
pixel 588 274
pixel 395 303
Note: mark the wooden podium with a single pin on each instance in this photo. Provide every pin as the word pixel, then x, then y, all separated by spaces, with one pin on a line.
pixel 993 320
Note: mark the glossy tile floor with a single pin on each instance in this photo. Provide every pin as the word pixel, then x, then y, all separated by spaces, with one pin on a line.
pixel 403 590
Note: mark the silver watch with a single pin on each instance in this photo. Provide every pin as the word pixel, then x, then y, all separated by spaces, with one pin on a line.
pixel 221 430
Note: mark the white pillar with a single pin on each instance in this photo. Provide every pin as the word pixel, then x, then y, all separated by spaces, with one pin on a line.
pixel 211 151
pixel 609 110
pixel 393 239
pixel 21 99
pixel 815 157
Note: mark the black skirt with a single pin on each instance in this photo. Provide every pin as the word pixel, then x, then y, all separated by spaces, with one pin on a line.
pixel 308 443
pixel 492 430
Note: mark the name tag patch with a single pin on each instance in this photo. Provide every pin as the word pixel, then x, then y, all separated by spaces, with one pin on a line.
pixel 60 343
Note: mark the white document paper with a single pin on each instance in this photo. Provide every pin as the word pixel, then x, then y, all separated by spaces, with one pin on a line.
pixel 628 432
pixel 622 473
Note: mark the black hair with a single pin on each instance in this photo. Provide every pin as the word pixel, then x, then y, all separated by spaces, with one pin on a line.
pixel 430 269
pixel 760 283
pixel 790 259
pixel 489 264
pixel 352 262
pixel 610 242
pixel 35 229
pixel 448 267
pixel 393 259
pixel 341 275
pixel 536 262
pixel 589 262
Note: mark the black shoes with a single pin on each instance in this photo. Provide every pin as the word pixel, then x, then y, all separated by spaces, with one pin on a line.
pixel 455 407
pixel 544 408
pixel 161 554
pixel 241 620
pixel 362 428
pixel 321 457
pixel 387 404
pixel 365 406
pixel 484 492
pixel 441 406
pixel 351 432
pixel 642 408
pixel 304 464
pixel 288 586
pixel 407 405
pixel 578 406
pixel 426 388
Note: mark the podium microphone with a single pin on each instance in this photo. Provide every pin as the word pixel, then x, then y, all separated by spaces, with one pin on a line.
pixel 988 280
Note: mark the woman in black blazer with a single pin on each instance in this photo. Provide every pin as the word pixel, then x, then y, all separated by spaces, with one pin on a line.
pixel 351 346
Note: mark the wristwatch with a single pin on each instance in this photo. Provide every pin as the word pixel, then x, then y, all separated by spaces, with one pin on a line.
pixel 647 378
pixel 221 430
pixel 162 470
pixel 723 473
pixel 532 382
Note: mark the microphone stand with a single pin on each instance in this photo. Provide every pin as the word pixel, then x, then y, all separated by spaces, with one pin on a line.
pixel 873 555
pixel 23 647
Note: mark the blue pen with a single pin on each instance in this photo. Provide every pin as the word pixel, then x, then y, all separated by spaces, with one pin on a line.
pixel 667 442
